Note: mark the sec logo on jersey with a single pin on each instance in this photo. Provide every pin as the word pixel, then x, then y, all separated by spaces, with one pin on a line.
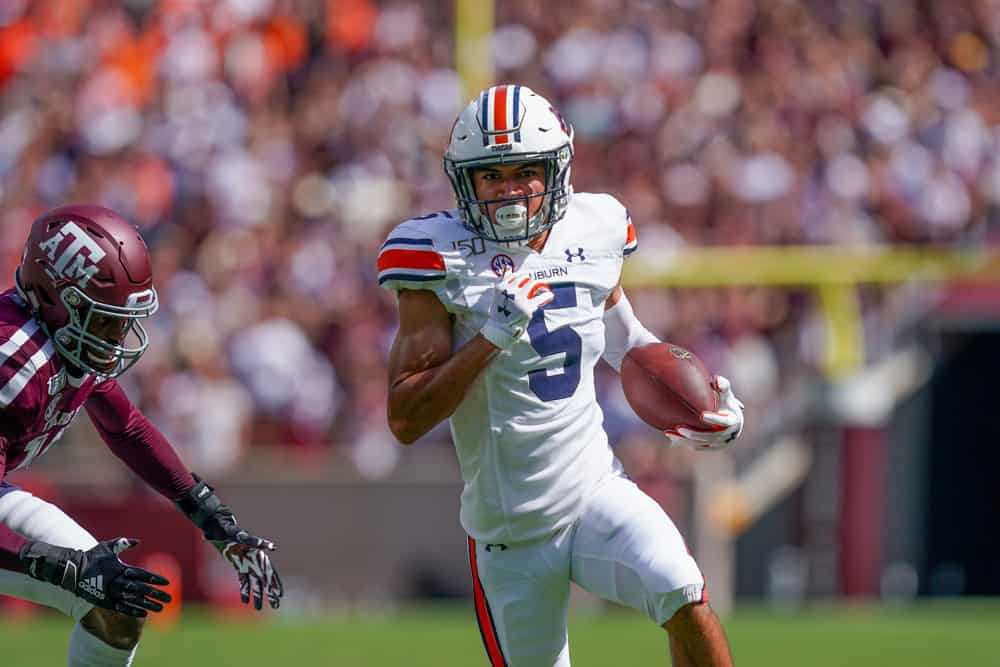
pixel 501 264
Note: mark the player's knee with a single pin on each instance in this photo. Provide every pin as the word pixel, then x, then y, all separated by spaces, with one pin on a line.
pixel 116 630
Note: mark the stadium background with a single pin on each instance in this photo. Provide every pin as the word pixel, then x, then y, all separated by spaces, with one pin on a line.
pixel 815 189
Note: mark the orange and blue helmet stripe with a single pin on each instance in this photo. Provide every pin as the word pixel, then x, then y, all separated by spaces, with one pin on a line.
pixel 500 117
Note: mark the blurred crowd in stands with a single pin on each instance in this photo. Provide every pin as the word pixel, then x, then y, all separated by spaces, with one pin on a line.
pixel 265 148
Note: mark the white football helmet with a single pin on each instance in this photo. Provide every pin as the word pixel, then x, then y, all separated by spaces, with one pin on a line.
pixel 504 125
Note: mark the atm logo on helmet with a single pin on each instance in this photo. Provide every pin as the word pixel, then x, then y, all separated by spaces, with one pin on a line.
pixel 79 260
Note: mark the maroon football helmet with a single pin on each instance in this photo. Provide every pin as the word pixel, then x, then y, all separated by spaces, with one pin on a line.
pixel 86 274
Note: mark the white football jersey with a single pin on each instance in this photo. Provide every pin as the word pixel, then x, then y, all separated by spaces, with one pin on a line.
pixel 529 434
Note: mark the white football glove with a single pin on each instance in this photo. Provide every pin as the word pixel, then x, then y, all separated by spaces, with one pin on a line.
pixel 247 553
pixel 516 297
pixel 726 423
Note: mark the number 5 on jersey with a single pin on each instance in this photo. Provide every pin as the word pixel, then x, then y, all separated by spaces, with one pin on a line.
pixel 562 340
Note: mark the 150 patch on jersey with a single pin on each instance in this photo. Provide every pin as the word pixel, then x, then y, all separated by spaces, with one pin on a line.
pixel 470 247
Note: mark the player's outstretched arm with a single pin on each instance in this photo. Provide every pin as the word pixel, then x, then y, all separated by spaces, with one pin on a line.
pixel 97 575
pixel 247 553
pixel 143 448
pixel 132 438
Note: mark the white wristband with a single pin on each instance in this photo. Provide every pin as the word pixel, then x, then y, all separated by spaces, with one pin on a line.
pixel 622 332
pixel 499 335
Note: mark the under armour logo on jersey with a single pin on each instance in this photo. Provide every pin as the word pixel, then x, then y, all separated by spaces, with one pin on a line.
pixel 496 547
pixel 570 255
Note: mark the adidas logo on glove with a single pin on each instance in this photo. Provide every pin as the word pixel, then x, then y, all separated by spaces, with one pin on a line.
pixel 94 586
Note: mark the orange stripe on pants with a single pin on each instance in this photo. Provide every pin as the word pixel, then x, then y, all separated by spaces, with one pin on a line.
pixel 483 615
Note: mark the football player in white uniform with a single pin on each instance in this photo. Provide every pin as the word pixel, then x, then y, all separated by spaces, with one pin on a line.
pixel 506 304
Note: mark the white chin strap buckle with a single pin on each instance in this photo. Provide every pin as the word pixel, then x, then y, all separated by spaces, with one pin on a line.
pixel 512 216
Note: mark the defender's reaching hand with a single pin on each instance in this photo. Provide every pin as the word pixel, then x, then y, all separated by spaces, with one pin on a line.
pixel 247 553
pixel 98 575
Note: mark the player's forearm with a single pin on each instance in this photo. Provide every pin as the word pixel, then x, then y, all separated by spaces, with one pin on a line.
pixel 139 444
pixel 419 402
pixel 149 455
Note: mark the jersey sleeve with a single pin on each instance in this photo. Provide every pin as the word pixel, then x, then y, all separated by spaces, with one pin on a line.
pixel 409 259
pixel 612 225
pixel 132 438
pixel 631 240
pixel 21 392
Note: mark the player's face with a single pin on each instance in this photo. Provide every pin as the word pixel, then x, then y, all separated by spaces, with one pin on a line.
pixel 111 330
pixel 507 181
pixel 108 328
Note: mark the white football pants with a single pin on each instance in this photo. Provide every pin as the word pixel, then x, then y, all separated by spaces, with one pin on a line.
pixel 623 548
pixel 38 520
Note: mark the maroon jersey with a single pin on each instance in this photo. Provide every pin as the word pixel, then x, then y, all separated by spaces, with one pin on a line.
pixel 79 262
pixel 38 398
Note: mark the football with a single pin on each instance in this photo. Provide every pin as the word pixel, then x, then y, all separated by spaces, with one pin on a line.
pixel 667 386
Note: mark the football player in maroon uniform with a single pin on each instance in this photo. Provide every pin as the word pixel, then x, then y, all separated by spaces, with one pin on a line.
pixel 68 328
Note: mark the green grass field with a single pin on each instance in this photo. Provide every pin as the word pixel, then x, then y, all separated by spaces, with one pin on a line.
pixel 954 634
